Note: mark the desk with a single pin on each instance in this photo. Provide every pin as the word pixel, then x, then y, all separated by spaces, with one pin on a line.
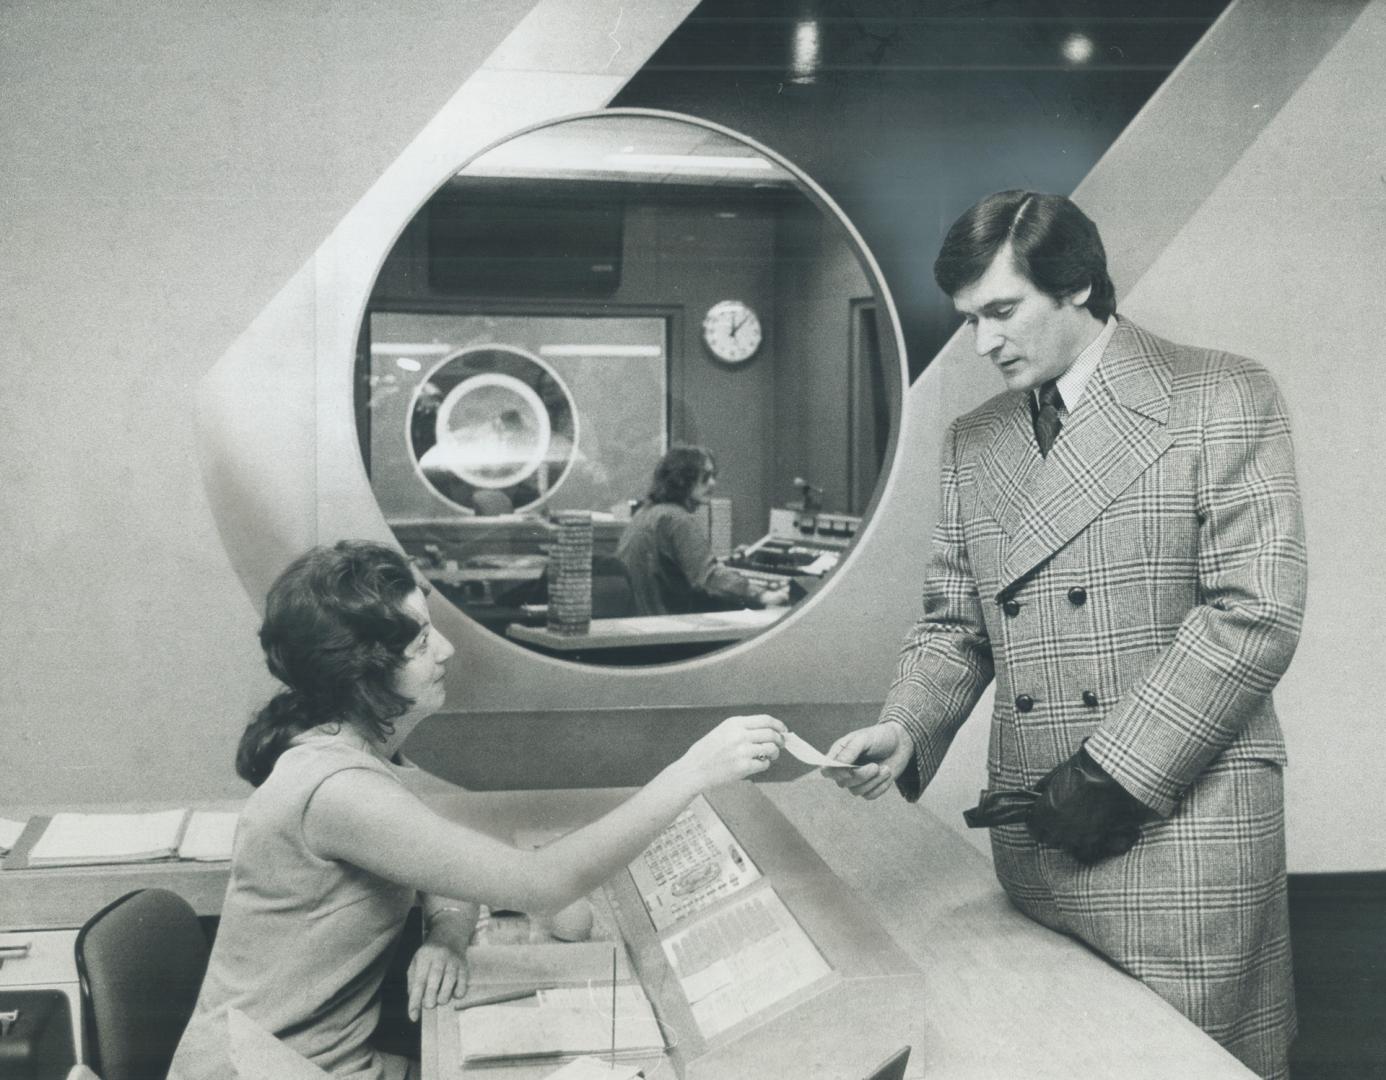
pixel 983 993
pixel 647 631
pixel 999 996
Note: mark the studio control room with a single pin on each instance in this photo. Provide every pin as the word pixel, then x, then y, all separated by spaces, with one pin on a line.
pixel 700 540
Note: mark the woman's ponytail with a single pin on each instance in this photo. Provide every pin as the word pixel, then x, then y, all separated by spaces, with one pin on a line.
pixel 269 735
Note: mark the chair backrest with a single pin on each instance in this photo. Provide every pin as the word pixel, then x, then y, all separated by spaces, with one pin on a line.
pixel 141 961
pixel 612 595
pixel 893 1067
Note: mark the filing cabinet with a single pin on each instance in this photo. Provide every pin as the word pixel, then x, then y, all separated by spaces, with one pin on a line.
pixel 38 960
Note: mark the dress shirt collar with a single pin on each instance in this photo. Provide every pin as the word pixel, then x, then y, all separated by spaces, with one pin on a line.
pixel 1073 381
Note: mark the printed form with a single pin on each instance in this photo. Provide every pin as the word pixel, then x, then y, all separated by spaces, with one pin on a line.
pixel 691 865
pixel 742 959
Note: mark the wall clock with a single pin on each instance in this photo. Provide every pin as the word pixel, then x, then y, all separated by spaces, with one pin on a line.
pixel 731 331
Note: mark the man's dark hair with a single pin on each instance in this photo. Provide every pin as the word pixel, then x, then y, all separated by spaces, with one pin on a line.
pixel 680 470
pixel 1053 243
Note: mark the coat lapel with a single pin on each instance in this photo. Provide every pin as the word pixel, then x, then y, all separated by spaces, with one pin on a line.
pixel 1116 432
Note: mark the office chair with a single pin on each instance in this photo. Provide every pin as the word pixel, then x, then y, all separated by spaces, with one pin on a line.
pixel 893 1067
pixel 140 961
pixel 612 595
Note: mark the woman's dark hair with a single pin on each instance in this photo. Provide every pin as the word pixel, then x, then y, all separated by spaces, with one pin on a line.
pixel 678 473
pixel 1054 244
pixel 334 634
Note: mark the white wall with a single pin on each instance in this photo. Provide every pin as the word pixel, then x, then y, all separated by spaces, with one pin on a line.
pixel 164 168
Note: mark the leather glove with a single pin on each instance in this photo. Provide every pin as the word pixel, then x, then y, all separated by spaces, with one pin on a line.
pixel 1004 806
pixel 1084 811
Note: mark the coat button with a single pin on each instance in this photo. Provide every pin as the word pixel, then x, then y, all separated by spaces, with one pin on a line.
pixel 1077 596
pixel 1089 699
pixel 1024 703
pixel 1011 608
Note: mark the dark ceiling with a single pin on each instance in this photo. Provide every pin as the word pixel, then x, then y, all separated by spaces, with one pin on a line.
pixel 907 112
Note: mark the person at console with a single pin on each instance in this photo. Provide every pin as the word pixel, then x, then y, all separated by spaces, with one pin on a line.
pixel 666 551
pixel 332 850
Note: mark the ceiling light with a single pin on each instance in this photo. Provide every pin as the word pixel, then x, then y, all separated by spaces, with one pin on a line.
pixel 803 65
pixel 1078 48
pixel 399 348
pixel 600 350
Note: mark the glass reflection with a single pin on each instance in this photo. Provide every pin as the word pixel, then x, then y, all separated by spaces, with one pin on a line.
pixel 570 307
pixel 493 430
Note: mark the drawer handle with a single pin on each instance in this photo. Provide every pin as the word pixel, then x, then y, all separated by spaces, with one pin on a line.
pixel 6 1019
pixel 16 951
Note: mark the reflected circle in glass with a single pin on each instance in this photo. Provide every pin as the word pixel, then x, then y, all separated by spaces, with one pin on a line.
pixel 496 427
pixel 492 430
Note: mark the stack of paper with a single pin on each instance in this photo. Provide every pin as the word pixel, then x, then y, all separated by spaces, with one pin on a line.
pixel 209 836
pixel 559 1023
pixel 9 833
pixel 82 839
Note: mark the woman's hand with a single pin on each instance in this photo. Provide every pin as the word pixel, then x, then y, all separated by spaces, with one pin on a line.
pixel 437 975
pixel 738 747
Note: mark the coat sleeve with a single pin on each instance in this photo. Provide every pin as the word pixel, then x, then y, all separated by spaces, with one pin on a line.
pixel 946 660
pixel 1236 642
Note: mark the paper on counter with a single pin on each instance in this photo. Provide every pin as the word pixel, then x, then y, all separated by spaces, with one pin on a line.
pixel 78 839
pixel 808 755
pixel 742 959
pixel 209 836
pixel 691 865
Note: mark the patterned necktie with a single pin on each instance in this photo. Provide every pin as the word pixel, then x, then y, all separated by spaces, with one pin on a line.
pixel 1047 419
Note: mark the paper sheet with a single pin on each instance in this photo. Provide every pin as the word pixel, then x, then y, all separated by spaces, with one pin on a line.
pixel 691 865
pixel 209 836
pixel 77 839
pixel 807 754
pixel 742 959
pixel 568 1021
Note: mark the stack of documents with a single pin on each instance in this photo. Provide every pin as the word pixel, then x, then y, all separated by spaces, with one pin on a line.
pixel 84 839
pixel 561 1023
pixel 209 836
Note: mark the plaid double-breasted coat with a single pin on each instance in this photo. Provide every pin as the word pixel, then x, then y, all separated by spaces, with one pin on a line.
pixel 1140 588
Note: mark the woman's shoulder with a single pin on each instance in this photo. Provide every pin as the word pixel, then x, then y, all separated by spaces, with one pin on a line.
pixel 312 758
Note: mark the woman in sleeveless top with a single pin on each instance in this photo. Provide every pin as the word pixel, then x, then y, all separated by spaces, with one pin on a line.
pixel 332 850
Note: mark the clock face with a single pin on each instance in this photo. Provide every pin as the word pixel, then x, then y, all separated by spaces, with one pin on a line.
pixel 731 331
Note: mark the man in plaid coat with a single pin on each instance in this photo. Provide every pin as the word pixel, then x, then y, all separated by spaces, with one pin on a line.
pixel 1120 546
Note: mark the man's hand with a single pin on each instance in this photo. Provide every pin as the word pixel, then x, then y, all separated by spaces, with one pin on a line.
pixel 1084 811
pixel 872 758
